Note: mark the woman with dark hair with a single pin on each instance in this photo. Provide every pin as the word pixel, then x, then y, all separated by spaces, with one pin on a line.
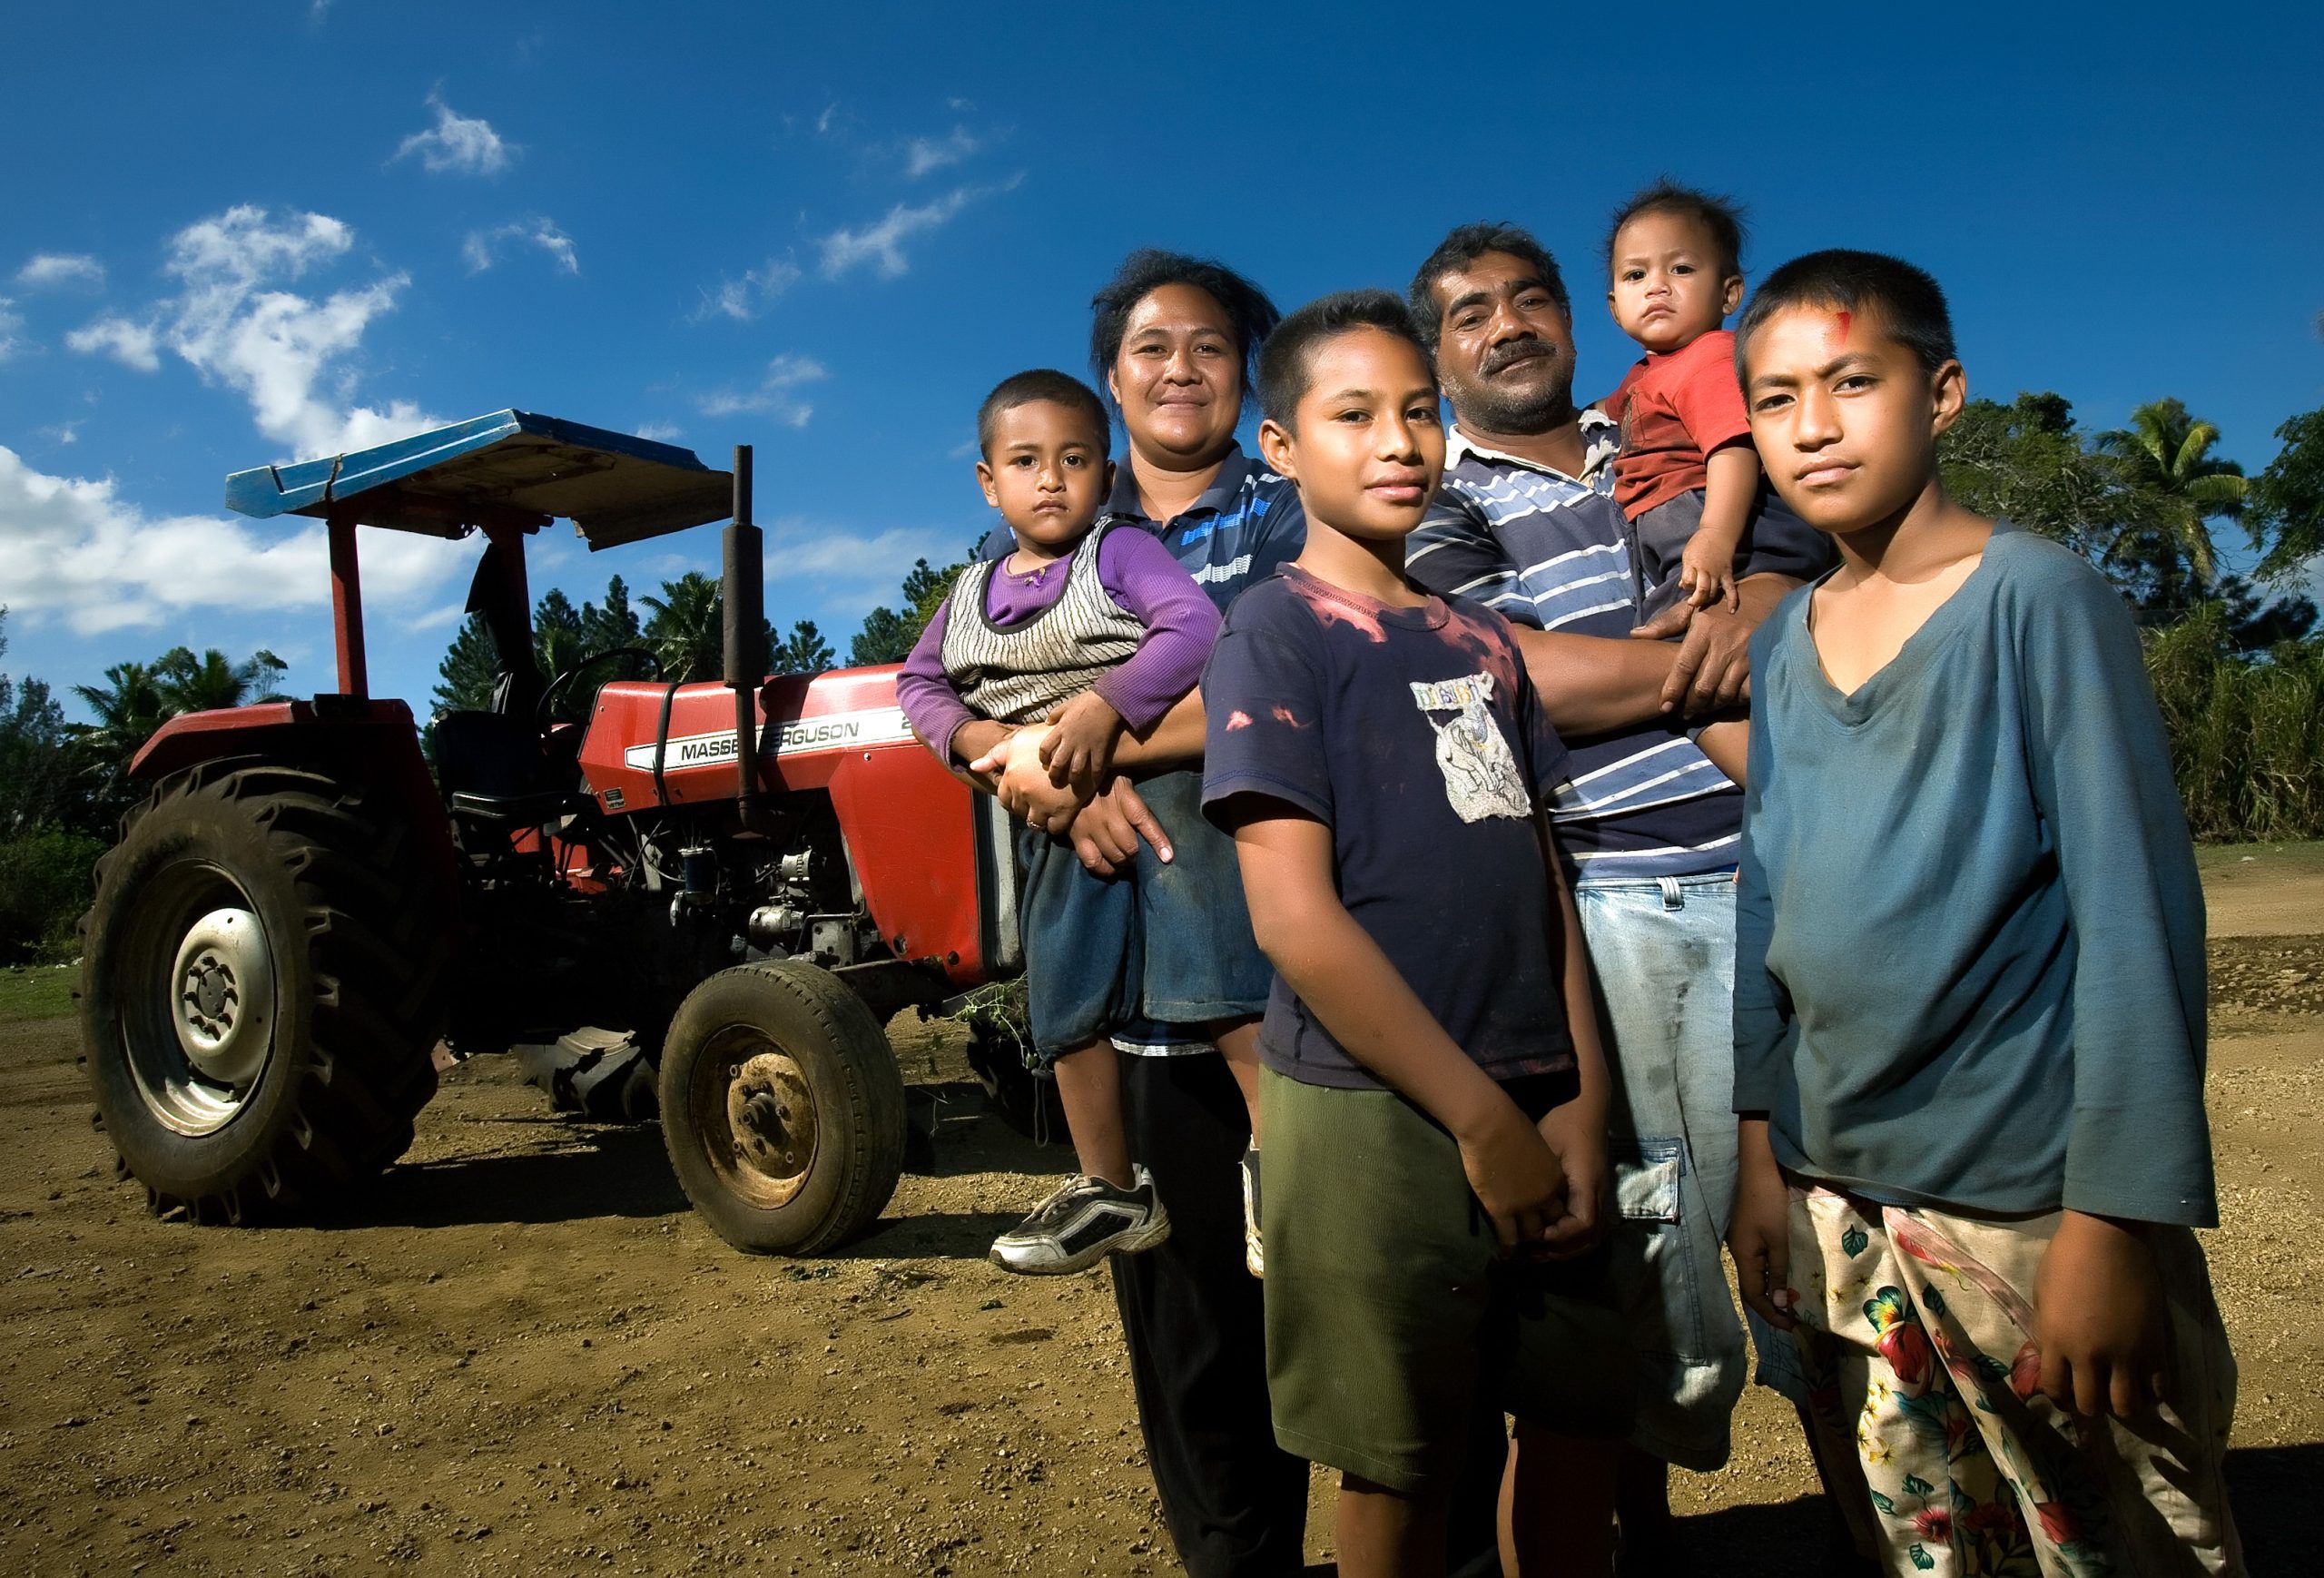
pixel 1173 341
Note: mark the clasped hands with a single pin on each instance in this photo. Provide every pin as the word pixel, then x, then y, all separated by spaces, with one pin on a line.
pixel 1057 775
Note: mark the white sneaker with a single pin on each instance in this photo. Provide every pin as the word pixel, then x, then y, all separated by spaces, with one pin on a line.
pixel 1083 1222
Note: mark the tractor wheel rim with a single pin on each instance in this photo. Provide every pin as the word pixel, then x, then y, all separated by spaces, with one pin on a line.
pixel 223 995
pixel 199 990
pixel 757 1117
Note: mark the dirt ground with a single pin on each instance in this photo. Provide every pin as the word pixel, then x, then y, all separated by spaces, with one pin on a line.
pixel 526 1355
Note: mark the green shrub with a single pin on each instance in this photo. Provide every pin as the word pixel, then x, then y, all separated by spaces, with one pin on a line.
pixel 44 887
pixel 2246 734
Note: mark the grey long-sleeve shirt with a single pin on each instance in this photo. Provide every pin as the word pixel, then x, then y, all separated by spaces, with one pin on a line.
pixel 1969 963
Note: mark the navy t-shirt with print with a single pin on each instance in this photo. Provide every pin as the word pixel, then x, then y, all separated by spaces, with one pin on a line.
pixel 1415 736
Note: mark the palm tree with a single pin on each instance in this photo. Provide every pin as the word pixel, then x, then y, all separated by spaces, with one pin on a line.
pixel 128 710
pixel 2165 454
pixel 187 684
pixel 688 626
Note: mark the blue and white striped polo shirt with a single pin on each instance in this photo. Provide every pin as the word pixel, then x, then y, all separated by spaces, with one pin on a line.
pixel 1552 551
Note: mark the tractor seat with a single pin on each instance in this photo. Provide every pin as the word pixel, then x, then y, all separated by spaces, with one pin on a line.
pixel 492 766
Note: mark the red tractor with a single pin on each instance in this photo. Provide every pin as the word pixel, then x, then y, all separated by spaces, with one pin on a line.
pixel 742 878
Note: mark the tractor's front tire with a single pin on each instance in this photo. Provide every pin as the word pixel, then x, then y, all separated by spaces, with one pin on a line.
pixel 258 990
pixel 782 1108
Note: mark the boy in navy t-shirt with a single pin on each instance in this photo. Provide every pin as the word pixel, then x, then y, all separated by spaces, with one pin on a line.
pixel 1434 1090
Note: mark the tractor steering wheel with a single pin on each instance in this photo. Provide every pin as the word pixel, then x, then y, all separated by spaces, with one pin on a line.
pixel 544 710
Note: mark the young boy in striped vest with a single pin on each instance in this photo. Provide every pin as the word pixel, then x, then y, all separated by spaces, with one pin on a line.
pixel 1091 632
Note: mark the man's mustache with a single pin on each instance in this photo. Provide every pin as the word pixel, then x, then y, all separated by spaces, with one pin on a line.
pixel 1509 355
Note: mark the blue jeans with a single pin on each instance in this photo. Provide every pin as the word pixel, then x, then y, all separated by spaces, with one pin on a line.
pixel 1662 949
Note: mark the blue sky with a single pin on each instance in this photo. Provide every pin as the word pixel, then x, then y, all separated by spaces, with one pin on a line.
pixel 243 233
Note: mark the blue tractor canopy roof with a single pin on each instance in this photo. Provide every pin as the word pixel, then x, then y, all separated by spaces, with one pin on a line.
pixel 511 468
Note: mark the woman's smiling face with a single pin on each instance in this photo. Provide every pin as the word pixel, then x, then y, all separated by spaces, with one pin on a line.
pixel 1179 375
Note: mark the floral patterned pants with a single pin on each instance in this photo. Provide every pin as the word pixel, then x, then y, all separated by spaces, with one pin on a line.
pixel 1916 1330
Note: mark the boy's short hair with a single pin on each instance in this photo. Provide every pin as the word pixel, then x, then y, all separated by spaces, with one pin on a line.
pixel 1908 300
pixel 1248 311
pixel 1463 245
pixel 1721 217
pixel 1041 383
pixel 1290 351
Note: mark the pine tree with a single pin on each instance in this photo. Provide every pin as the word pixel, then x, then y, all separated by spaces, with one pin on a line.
pixel 615 624
pixel 887 636
pixel 803 651
pixel 470 669
pixel 559 633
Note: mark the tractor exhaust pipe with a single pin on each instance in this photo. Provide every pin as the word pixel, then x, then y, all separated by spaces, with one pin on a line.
pixel 745 609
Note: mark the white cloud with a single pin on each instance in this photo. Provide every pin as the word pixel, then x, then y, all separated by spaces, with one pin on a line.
pixel 660 432
pixel 49 270
pixel 464 144
pixel 776 395
pixel 924 155
pixel 744 299
pixel 881 245
pixel 855 574
pixel 482 247
pixel 129 343
pixel 11 321
pixel 65 433
pixel 442 619
pixel 77 552
pixel 285 352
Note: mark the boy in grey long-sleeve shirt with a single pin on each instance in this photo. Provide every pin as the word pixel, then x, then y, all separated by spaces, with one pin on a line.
pixel 1968 992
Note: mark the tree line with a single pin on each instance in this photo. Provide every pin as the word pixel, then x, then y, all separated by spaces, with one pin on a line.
pixel 2236 663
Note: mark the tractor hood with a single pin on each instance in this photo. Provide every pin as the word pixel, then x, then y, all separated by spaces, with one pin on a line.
pixel 508 468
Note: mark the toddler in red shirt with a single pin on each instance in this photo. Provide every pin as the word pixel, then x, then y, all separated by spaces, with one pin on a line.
pixel 1687 475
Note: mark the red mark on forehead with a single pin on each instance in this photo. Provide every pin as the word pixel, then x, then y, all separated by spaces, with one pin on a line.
pixel 1845 318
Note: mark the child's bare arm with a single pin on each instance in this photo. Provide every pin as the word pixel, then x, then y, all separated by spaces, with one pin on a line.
pixel 1340 973
pixel 2098 1318
pixel 1730 485
pixel 1727 745
pixel 1577 1131
pixel 1173 740
pixel 1759 1229
pixel 1079 749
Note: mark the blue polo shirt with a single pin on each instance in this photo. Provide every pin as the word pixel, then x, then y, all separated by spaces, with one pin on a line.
pixel 1246 526
pixel 1552 551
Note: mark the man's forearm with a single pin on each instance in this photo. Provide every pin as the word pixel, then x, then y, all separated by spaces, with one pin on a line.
pixel 1592 685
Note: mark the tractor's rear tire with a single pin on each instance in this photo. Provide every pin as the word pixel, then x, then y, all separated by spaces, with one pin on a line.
pixel 259 989
pixel 782 1108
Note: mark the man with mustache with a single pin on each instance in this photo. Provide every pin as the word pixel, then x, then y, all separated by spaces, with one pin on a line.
pixel 1528 524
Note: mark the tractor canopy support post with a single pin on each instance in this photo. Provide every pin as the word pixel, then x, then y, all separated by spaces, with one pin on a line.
pixel 347 606
pixel 745 630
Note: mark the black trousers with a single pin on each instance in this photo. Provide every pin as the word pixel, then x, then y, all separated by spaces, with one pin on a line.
pixel 1236 1502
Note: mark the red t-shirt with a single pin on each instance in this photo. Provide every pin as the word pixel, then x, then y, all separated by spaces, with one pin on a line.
pixel 1675 410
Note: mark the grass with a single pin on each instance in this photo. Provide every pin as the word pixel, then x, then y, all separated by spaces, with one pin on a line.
pixel 2246 734
pixel 2287 859
pixel 39 991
